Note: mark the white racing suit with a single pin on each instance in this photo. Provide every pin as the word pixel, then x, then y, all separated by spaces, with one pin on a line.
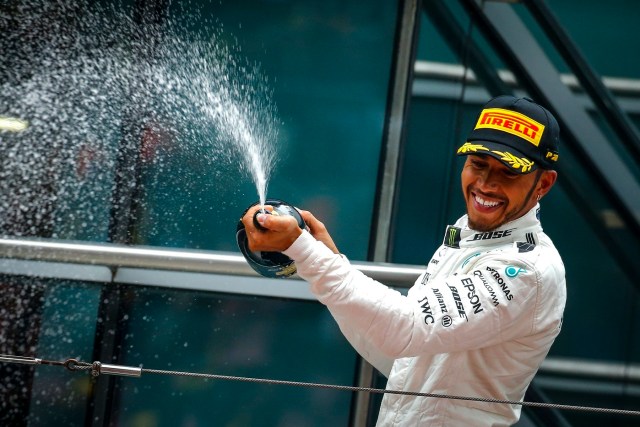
pixel 477 323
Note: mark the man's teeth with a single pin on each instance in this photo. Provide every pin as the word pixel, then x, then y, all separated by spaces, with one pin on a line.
pixel 486 203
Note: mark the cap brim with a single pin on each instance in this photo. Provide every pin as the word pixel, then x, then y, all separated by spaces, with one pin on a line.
pixel 513 159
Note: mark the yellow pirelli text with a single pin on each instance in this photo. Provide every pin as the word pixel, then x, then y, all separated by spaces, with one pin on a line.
pixel 511 122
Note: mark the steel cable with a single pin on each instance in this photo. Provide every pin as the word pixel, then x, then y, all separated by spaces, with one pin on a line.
pixel 386 391
pixel 98 368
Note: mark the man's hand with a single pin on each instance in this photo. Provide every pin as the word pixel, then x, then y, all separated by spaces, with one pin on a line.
pixel 278 234
pixel 281 231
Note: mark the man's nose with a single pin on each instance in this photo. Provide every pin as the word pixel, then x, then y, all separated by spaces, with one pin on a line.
pixel 487 179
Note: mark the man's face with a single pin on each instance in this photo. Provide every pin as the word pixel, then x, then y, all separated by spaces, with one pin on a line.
pixel 494 194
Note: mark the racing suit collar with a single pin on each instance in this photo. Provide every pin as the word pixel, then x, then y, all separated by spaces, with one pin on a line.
pixel 523 229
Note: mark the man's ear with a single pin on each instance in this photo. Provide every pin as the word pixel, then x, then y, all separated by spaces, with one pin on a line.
pixel 546 181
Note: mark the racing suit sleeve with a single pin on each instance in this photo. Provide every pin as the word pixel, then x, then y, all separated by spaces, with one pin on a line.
pixel 480 307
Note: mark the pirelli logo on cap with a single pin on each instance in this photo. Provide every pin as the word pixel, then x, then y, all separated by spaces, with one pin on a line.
pixel 511 122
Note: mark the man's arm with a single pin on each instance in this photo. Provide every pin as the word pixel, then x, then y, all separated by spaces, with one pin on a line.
pixel 479 308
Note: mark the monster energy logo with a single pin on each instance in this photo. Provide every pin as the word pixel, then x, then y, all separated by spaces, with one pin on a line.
pixel 452 237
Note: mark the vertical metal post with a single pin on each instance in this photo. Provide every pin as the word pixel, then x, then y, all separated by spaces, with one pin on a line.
pixel 399 94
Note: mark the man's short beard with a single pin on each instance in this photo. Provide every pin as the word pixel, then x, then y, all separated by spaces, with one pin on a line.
pixel 482 229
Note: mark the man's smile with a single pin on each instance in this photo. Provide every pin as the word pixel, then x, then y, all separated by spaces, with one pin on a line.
pixel 486 204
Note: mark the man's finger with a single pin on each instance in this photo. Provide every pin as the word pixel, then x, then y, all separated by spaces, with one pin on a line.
pixel 276 222
pixel 247 219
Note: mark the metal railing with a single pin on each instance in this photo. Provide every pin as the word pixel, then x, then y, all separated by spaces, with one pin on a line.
pixel 119 256
pixel 455 72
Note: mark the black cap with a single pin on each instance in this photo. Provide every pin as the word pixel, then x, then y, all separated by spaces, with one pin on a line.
pixel 520 133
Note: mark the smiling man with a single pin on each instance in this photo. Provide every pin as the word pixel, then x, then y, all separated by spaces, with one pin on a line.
pixel 483 316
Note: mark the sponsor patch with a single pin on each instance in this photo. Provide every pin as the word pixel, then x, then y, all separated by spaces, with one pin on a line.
pixel 452 237
pixel 497 234
pixel 512 271
pixel 511 122
pixel 525 247
pixel 426 310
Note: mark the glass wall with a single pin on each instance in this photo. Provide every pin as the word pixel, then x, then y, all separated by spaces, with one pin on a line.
pixel 134 122
pixel 153 122
pixel 172 330
pixel 53 320
pixel 239 336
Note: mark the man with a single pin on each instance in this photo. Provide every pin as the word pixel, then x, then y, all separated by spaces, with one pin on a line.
pixel 481 319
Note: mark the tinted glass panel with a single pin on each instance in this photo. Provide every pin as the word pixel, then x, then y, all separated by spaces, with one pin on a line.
pixel 132 121
pixel 168 330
